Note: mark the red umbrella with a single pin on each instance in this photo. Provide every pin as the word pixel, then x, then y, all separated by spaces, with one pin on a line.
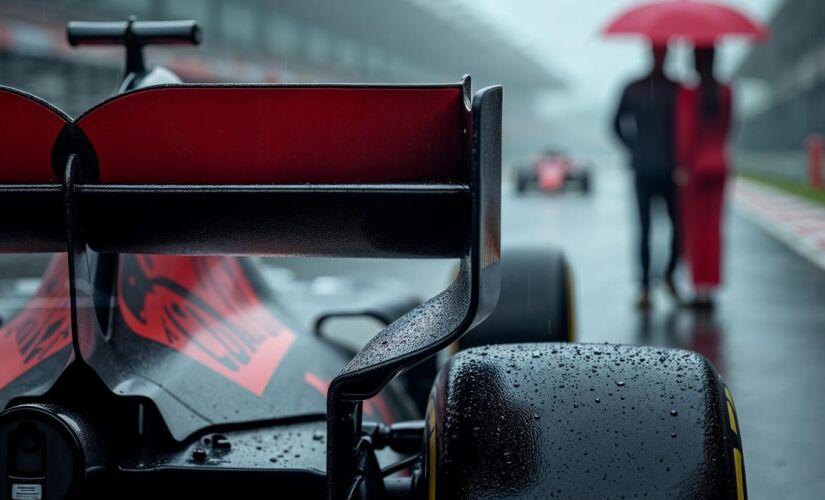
pixel 702 23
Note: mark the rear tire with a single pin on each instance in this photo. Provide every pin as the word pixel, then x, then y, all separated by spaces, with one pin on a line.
pixel 581 421
pixel 523 179
pixel 536 305
pixel 536 302
pixel 586 182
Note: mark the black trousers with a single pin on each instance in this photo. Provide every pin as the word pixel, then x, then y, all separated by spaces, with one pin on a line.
pixel 646 191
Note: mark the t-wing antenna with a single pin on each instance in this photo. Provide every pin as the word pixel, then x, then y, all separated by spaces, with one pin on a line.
pixel 133 35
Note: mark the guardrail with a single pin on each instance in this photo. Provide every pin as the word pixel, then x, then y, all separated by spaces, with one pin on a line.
pixel 790 165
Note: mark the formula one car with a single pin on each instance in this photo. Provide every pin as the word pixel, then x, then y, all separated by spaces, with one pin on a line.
pixel 553 171
pixel 154 360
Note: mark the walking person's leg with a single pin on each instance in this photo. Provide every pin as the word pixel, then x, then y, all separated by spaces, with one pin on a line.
pixel 643 195
pixel 716 196
pixel 670 194
pixel 692 216
pixel 706 262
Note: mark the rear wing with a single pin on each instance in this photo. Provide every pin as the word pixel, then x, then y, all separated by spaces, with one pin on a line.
pixel 277 170
pixel 302 170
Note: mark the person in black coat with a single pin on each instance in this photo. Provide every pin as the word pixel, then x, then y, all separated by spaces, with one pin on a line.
pixel 645 125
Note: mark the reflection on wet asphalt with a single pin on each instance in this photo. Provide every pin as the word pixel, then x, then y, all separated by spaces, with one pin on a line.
pixel 767 336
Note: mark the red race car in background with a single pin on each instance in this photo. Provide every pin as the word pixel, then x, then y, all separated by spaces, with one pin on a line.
pixel 553 171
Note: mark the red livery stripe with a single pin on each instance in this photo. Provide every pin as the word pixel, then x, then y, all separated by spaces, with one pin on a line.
pixel 41 329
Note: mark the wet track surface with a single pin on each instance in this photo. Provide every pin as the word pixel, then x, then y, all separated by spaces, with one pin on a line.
pixel 767 336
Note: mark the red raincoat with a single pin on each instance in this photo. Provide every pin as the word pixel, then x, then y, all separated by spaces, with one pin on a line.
pixel 701 152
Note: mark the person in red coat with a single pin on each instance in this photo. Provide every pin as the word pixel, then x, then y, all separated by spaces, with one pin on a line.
pixel 703 117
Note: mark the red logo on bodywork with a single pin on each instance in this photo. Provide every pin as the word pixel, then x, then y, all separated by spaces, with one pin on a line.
pixel 205 308
pixel 41 329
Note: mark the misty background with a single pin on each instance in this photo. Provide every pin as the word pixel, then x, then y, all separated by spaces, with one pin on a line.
pixel 561 77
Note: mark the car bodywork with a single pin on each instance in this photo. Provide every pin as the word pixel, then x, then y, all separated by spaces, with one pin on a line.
pixel 105 183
